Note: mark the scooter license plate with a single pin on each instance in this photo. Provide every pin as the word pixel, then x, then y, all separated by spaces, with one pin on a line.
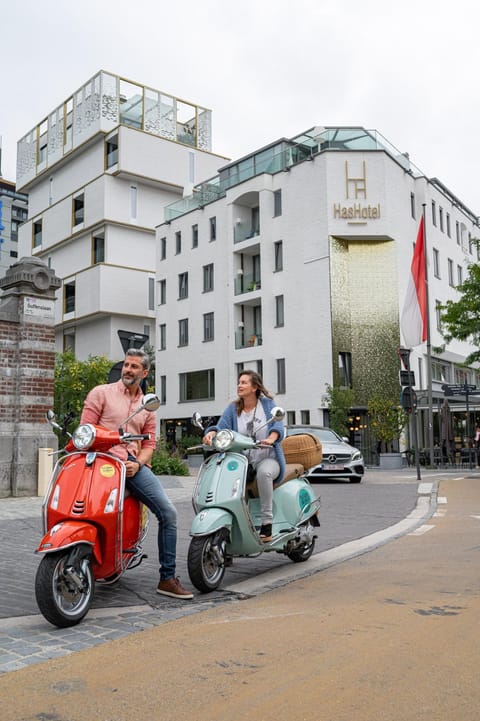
pixel 332 467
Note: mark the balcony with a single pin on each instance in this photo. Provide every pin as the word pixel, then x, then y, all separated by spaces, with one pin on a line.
pixel 247 338
pixel 244 231
pixel 246 283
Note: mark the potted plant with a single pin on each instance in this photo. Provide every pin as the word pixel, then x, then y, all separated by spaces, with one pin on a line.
pixel 387 421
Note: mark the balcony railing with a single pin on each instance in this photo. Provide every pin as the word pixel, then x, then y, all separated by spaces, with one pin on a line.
pixel 244 231
pixel 246 284
pixel 247 338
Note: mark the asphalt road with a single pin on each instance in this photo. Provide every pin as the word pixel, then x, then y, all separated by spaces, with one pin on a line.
pixel 389 635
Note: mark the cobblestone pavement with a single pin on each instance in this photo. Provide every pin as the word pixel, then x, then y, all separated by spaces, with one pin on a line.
pixel 348 512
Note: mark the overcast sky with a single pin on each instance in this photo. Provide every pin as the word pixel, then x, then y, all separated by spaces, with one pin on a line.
pixel 266 68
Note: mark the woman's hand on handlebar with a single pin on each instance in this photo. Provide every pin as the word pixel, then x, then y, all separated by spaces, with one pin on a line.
pixel 208 438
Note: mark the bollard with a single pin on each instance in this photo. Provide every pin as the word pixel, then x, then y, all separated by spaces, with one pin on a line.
pixel 45 466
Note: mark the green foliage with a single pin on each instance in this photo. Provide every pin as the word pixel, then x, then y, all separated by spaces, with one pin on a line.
pixel 387 418
pixel 74 379
pixel 187 442
pixel 340 401
pixel 461 319
pixel 165 463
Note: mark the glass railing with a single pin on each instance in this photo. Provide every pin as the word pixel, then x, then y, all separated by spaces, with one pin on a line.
pixel 247 338
pixel 244 231
pixel 246 284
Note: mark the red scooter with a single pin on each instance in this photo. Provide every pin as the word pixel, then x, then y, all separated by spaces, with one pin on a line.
pixel 93 529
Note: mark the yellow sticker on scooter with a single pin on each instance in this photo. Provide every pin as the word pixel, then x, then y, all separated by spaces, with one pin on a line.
pixel 107 470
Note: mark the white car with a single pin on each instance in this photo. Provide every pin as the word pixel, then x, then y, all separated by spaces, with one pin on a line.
pixel 340 459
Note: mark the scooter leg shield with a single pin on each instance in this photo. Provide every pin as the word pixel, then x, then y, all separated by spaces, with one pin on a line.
pixel 69 533
pixel 210 520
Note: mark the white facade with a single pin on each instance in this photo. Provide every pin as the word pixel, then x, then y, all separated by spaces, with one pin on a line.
pixel 320 230
pixel 98 171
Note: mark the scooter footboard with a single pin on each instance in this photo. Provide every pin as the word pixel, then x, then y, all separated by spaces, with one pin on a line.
pixel 209 520
pixel 69 533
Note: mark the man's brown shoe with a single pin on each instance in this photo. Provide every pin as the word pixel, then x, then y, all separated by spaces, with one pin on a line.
pixel 173 588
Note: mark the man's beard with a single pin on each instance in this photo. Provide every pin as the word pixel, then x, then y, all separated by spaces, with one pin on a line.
pixel 130 381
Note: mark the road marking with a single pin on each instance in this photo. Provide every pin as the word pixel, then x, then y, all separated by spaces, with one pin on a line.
pixel 441 513
pixel 424 489
pixel 420 531
pixel 442 499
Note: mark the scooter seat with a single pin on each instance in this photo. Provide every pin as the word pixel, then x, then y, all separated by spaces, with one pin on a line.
pixel 292 470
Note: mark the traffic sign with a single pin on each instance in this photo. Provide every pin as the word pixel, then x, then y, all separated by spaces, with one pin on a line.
pixel 407 378
pixel 458 389
pixel 408 399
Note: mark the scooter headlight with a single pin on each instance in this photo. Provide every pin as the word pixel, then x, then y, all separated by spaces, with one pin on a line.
pixel 83 436
pixel 223 440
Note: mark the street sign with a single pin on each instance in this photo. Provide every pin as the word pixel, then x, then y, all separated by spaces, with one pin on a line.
pixel 458 389
pixel 407 378
pixel 408 399
pixel 404 354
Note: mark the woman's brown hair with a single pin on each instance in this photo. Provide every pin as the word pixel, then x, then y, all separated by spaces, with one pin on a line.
pixel 256 380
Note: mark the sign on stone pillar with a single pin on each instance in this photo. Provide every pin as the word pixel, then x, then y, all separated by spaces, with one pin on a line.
pixel 27 361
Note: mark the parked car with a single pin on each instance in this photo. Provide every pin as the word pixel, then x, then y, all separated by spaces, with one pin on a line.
pixel 340 459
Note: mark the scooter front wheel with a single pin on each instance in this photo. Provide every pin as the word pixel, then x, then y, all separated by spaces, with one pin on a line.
pixel 304 550
pixel 64 593
pixel 206 561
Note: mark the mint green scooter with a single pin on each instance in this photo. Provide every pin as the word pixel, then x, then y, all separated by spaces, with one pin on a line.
pixel 228 511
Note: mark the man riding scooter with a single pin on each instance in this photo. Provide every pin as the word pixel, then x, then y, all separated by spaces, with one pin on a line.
pixel 107 405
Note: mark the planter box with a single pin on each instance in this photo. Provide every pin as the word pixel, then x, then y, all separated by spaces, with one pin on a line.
pixel 389 461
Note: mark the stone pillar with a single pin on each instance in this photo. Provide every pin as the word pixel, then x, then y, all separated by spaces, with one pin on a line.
pixel 27 360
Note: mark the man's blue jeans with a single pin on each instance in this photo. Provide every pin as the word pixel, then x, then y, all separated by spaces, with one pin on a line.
pixel 145 486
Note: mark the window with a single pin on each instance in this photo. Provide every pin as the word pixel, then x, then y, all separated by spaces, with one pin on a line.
pixel 457 232
pixel 291 418
pixel 345 369
pixel 412 204
pixel 163 389
pixel 277 203
pixel 151 294
pixel 436 263
pixel 281 385
pixel 69 297
pixel 178 242
pixel 37 233
pixel 451 280
pixel 111 151
pixel 208 327
pixel 213 228
pixel 162 292
pixel 78 209
pixel 162 336
pixel 305 418
pixel 260 368
pixel 133 202
pixel 195 236
pixel 163 248
pixel 256 270
pixel 98 248
pixel 440 371
pixel 434 213
pixel 255 228
pixel 278 246
pixel 449 229
pixel 207 277
pixel 279 316
pixel 197 385
pixel 183 332
pixel 438 314
pixel 69 341
pixel 459 275
pixel 440 218
pixel 183 285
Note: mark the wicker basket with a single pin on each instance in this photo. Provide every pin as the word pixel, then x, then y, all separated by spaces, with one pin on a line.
pixel 304 448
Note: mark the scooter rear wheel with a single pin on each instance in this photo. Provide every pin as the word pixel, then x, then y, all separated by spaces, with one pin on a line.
pixel 59 599
pixel 206 561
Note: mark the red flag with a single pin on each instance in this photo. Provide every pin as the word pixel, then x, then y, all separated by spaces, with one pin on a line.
pixel 414 315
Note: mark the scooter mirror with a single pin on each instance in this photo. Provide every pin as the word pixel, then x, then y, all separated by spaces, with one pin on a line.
pixel 50 416
pixel 197 420
pixel 150 402
pixel 278 413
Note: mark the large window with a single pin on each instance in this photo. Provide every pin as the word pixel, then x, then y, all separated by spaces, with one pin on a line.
pixel 208 327
pixel 183 285
pixel 197 385
pixel 207 277
pixel 37 233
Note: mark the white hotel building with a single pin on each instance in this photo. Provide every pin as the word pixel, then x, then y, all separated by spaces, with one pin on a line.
pixel 294 260
pixel 98 170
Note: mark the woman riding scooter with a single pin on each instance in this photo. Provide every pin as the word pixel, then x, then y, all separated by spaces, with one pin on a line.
pixel 250 412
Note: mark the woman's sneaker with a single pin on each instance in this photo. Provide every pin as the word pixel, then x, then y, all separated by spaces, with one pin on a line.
pixel 173 588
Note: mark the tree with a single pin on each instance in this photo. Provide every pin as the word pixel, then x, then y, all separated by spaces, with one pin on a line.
pixel 461 319
pixel 340 401
pixel 74 379
pixel 387 419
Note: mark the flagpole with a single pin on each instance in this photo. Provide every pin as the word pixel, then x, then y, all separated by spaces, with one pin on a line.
pixel 429 346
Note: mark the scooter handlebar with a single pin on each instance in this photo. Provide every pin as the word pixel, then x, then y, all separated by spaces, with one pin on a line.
pixel 135 437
